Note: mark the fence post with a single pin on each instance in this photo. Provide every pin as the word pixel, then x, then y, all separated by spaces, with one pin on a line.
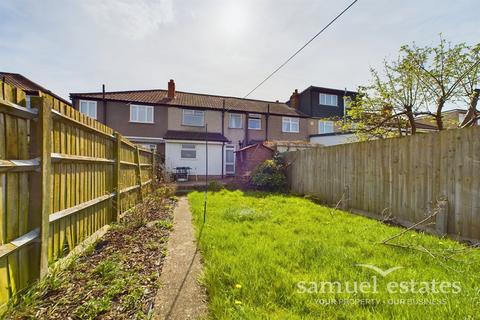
pixel 138 172
pixel 45 149
pixel 154 172
pixel 346 198
pixel 441 219
pixel 116 176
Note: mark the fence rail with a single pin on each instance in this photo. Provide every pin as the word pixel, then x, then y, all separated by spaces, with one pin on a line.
pixel 403 176
pixel 63 176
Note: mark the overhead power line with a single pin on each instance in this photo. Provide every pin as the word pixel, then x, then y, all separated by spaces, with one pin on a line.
pixel 303 47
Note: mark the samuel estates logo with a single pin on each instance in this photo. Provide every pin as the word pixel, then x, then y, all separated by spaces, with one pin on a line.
pixel 381 272
pixel 373 285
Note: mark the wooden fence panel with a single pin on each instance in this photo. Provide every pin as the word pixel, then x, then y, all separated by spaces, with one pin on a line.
pixel 402 176
pixel 59 178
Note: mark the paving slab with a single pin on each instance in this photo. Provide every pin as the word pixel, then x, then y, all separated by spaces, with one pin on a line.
pixel 181 296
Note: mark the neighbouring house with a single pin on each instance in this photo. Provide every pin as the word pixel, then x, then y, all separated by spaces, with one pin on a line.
pixel 249 157
pixel 30 88
pixel 333 138
pixel 324 106
pixel 175 123
pixel 451 118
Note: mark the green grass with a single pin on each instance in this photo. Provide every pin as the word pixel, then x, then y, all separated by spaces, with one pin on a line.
pixel 258 247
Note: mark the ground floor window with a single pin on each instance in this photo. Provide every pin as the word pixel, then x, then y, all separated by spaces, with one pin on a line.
pixel 188 151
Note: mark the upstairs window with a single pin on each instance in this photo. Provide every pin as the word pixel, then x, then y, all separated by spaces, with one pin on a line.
pixel 254 121
pixel 235 121
pixel 188 151
pixel 141 114
pixel 325 126
pixel 328 100
pixel 89 108
pixel 194 118
pixel 290 124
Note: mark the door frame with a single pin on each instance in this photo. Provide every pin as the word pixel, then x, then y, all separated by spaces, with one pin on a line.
pixel 230 147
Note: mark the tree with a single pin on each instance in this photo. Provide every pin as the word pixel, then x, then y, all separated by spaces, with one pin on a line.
pixel 470 85
pixel 441 70
pixel 388 107
pixel 406 88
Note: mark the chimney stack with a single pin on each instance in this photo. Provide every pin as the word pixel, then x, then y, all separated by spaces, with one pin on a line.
pixel 171 89
pixel 295 99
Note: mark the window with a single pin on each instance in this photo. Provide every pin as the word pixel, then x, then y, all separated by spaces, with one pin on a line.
pixel 290 124
pixel 89 108
pixel 148 146
pixel 235 121
pixel 229 159
pixel 141 114
pixel 188 151
pixel 325 126
pixel 254 121
pixel 328 99
pixel 194 118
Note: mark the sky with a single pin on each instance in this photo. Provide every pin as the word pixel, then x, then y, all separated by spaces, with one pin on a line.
pixel 222 47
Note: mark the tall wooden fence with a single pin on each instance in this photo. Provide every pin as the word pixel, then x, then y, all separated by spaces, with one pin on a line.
pixel 63 176
pixel 404 177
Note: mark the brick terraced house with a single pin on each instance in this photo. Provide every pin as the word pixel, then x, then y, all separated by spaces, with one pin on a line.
pixel 175 121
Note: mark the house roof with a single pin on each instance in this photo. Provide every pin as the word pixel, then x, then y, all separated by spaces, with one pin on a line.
pixel 329 90
pixel 425 126
pixel 193 100
pixel 256 145
pixel 193 135
pixel 25 84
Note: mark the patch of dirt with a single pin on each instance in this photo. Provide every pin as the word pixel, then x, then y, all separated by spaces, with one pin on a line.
pixel 116 278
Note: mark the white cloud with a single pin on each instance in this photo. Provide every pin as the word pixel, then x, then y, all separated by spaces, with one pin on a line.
pixel 133 19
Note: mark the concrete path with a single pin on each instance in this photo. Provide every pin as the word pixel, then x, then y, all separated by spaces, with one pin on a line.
pixel 181 296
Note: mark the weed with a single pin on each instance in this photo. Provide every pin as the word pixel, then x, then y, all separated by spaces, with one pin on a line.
pixel 164 224
pixel 108 269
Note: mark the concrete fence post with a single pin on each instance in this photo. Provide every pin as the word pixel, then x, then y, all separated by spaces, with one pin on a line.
pixel 345 205
pixel 441 219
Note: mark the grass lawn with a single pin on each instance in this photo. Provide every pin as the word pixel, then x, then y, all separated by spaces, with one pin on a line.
pixel 284 257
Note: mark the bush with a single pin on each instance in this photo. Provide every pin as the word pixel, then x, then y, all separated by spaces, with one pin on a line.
pixel 214 186
pixel 270 175
pixel 233 185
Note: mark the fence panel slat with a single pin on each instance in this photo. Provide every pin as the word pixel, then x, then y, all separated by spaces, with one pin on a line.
pixel 402 176
pixel 87 167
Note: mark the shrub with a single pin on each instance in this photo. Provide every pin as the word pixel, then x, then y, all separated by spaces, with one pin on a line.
pixel 214 186
pixel 232 186
pixel 270 175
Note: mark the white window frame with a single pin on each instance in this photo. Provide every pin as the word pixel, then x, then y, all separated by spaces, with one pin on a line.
pixel 289 121
pixel 90 104
pixel 134 109
pixel 325 122
pixel 326 99
pixel 255 116
pixel 231 115
pixel 192 111
pixel 188 147
pixel 230 148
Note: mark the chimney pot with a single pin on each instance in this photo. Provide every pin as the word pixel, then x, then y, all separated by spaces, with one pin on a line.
pixel 171 89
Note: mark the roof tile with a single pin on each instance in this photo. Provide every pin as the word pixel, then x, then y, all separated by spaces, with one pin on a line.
pixel 187 99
